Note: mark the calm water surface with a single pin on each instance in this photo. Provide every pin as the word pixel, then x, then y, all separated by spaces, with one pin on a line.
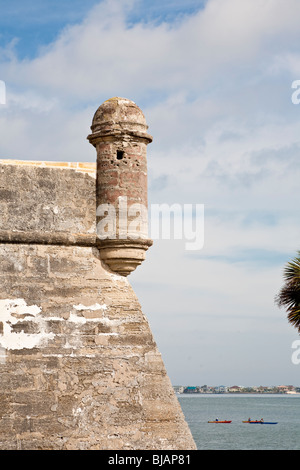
pixel 285 409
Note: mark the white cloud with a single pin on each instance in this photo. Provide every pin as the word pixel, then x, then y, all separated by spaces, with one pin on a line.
pixel 103 53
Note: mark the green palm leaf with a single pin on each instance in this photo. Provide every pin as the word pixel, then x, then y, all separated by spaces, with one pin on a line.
pixel 289 295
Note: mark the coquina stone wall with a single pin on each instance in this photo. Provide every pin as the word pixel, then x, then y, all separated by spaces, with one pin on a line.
pixel 79 368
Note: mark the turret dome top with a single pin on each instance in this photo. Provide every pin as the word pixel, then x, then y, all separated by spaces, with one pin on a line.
pixel 117 116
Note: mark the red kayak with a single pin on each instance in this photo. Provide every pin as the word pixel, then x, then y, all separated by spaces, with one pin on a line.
pixel 217 421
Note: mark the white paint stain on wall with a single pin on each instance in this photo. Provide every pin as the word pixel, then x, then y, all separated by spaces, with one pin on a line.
pixel 90 307
pixel 82 319
pixel 14 311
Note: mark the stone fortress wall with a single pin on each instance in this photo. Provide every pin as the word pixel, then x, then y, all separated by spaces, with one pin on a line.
pixel 79 368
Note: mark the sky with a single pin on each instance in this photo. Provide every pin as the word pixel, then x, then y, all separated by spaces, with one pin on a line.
pixel 214 79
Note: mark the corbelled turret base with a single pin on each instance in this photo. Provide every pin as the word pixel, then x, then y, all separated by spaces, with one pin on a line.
pixel 123 256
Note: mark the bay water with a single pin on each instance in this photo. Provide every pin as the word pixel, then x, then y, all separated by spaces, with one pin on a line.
pixel 281 408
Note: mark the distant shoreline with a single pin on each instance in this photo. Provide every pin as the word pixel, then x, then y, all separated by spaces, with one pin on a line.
pixel 236 390
pixel 239 393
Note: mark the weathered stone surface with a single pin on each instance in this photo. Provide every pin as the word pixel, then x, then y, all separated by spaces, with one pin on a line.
pixel 79 368
pixel 41 203
pixel 88 374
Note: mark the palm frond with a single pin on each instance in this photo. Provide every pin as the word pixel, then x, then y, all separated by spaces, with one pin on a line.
pixel 292 270
pixel 289 295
